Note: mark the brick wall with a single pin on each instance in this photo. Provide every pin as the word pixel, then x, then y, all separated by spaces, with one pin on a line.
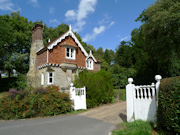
pixel 42 58
pixel 57 54
pixel 97 66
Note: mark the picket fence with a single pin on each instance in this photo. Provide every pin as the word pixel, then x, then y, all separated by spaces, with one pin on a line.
pixel 142 101
pixel 78 96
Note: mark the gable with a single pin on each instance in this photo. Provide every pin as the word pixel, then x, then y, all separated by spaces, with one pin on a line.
pixel 58 40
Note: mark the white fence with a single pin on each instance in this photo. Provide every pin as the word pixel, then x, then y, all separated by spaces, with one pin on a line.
pixel 78 96
pixel 141 101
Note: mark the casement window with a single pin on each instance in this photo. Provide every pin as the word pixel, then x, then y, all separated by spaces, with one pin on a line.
pixel 89 64
pixel 42 78
pixel 50 78
pixel 70 53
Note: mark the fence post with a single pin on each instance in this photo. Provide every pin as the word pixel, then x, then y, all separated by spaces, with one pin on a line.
pixel 85 97
pixel 72 91
pixel 130 100
pixel 158 79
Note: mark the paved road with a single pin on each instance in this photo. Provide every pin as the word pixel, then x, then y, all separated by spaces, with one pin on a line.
pixel 59 125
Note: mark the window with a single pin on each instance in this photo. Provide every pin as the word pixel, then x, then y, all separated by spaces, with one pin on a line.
pixel 70 53
pixel 42 79
pixel 90 64
pixel 50 78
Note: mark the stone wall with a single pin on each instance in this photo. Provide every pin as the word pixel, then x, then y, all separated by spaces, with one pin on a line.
pixel 61 78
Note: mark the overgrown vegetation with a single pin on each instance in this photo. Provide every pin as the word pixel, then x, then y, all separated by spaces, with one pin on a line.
pixel 120 94
pixel 168 113
pixel 40 102
pixel 99 87
pixel 135 128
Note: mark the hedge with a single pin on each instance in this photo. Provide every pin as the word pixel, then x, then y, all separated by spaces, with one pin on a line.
pixel 42 102
pixel 99 87
pixel 168 113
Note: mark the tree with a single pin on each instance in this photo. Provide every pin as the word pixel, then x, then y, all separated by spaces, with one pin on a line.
pixel 123 54
pixel 15 34
pixel 109 56
pixel 161 32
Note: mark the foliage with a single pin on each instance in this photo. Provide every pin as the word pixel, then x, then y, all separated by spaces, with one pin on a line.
pixel 168 113
pixel 120 75
pixel 21 104
pixel 120 94
pixel 52 33
pixel 134 128
pixel 15 40
pixel 160 33
pixel 99 87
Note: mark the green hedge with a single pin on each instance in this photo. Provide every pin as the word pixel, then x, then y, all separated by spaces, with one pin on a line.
pixel 169 104
pixel 42 102
pixel 99 87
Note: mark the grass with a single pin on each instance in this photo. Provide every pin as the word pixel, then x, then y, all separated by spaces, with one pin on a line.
pixel 120 94
pixel 134 128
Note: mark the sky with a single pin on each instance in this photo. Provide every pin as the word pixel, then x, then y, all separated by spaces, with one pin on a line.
pixel 101 23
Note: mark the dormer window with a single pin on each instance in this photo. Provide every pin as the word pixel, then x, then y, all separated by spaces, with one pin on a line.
pixel 70 53
pixel 89 64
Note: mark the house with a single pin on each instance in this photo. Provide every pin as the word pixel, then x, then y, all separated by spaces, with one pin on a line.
pixel 59 61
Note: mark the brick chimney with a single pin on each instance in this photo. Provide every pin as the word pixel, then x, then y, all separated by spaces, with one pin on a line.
pixel 37 32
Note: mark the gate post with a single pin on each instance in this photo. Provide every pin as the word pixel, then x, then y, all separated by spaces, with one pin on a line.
pixel 158 79
pixel 72 91
pixel 130 100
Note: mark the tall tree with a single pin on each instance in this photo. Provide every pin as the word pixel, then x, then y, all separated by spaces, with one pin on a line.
pixel 161 31
pixel 15 34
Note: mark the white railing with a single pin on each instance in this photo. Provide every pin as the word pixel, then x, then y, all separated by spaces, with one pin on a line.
pixel 141 101
pixel 78 96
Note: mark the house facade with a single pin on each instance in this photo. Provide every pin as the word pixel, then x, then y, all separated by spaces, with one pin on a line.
pixel 59 61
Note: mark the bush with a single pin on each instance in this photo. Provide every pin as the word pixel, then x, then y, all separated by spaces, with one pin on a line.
pixel 168 114
pixel 21 104
pixel 99 87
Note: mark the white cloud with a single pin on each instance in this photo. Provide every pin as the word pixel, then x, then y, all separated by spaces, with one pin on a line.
pixel 96 31
pixel 70 15
pixel 84 9
pixel 112 23
pixel 124 38
pixel 34 2
pixel 6 5
pixel 51 10
pixel 54 21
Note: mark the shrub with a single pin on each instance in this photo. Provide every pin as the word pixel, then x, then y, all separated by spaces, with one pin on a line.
pixel 26 105
pixel 99 87
pixel 168 114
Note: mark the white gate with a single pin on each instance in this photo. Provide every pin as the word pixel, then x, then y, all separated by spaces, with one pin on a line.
pixel 141 101
pixel 78 96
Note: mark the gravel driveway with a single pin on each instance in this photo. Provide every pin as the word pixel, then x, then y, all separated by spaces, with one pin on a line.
pixel 111 113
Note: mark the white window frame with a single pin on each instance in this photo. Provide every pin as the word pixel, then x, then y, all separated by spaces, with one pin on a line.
pixel 90 64
pixel 42 78
pixel 72 53
pixel 48 81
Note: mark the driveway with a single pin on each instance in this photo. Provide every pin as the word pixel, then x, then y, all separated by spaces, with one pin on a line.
pixel 98 121
pixel 111 113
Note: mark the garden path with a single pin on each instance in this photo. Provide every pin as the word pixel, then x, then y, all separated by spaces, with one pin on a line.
pixel 112 113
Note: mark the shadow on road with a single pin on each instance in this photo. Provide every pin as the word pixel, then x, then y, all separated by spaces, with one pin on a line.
pixel 123 117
